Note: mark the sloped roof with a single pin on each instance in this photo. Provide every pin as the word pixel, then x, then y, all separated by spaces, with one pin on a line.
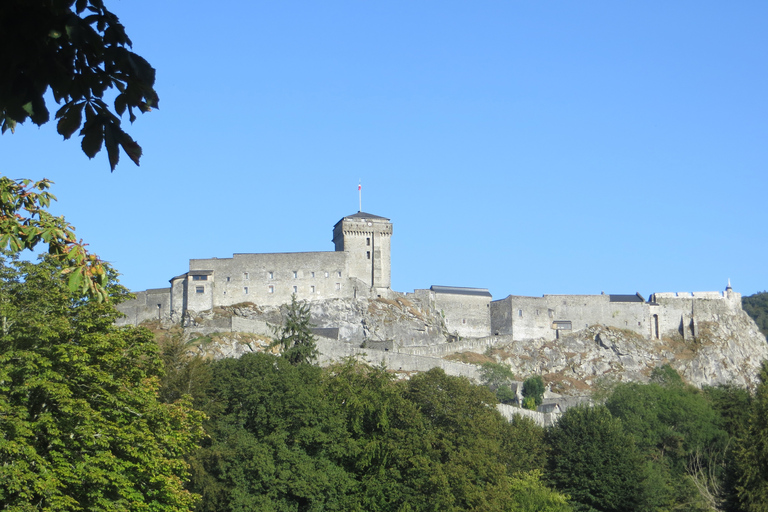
pixel 363 215
pixel 458 290
pixel 626 298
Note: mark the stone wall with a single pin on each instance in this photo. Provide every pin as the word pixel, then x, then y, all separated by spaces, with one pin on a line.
pixel 551 316
pixel 365 239
pixel 467 311
pixel 271 279
pixel 148 305
pixel 397 362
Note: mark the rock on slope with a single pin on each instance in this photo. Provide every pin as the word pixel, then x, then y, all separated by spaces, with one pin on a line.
pixel 728 349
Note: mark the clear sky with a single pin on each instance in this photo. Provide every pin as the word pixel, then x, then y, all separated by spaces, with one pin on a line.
pixel 525 147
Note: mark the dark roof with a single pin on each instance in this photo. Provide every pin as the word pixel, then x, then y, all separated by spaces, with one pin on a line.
pixel 626 298
pixel 458 290
pixel 363 215
pixel 200 272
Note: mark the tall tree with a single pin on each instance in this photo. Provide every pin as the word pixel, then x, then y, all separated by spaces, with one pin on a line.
pixel 752 452
pixel 79 50
pixel 295 337
pixel 594 461
pixel 81 425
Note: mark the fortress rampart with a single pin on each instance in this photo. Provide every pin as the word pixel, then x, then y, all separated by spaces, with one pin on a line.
pixel 360 267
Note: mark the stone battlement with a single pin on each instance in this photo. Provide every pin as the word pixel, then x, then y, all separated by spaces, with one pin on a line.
pixel 360 268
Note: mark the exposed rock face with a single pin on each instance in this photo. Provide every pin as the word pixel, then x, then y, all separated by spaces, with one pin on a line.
pixel 378 322
pixel 728 349
pixel 400 321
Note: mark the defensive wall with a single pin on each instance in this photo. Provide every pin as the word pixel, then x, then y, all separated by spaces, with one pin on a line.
pixel 465 311
pixel 360 267
pixel 664 314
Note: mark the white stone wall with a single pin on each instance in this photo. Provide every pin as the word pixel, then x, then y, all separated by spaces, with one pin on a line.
pixel 148 305
pixel 366 241
pixel 469 316
pixel 271 279
pixel 533 317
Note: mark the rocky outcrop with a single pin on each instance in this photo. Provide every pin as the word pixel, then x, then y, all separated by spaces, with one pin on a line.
pixel 409 336
pixel 726 350
pixel 380 322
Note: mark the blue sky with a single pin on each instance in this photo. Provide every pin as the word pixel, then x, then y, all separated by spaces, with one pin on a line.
pixel 526 147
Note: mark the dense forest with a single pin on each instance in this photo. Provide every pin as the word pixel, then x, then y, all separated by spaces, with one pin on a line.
pixel 756 306
pixel 96 417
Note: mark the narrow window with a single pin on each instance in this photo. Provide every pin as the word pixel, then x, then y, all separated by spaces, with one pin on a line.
pixel 199 278
pixel 200 289
pixel 245 290
pixel 312 274
pixel 326 274
pixel 271 275
pixel 271 289
pixel 311 289
pixel 295 274
pixel 519 312
pixel 367 241
pixel 245 275
pixel 368 254
pixel 338 273
pixel 338 286
pixel 227 278
pixel 295 289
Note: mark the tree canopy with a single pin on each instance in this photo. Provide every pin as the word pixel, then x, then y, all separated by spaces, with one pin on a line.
pixel 78 50
pixel 81 425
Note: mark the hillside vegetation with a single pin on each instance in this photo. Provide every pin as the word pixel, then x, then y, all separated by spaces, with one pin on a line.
pixel 756 306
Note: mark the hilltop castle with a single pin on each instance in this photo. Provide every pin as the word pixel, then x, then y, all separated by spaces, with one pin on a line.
pixel 360 267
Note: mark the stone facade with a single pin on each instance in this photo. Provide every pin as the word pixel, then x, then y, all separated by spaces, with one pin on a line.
pixel 359 267
pixel 664 314
pixel 466 312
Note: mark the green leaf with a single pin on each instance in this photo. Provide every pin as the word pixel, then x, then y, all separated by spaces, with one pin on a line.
pixel 131 148
pixel 93 136
pixel 71 120
pixel 110 141
pixel 75 280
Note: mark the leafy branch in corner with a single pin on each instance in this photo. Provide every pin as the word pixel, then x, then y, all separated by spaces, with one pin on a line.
pixel 79 50
pixel 25 222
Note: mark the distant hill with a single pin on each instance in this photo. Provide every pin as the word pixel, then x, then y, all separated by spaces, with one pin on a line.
pixel 756 306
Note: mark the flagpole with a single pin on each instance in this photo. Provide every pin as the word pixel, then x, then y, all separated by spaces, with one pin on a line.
pixel 360 195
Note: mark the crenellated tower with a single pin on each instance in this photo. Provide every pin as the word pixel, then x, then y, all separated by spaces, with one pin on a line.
pixel 366 240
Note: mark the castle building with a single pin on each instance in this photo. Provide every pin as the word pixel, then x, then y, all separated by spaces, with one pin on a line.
pixel 663 314
pixel 360 266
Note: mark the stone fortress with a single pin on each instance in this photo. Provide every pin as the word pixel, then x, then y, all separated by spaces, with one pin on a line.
pixel 360 268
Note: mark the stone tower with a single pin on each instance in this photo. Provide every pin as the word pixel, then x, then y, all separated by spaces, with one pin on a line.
pixel 366 240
